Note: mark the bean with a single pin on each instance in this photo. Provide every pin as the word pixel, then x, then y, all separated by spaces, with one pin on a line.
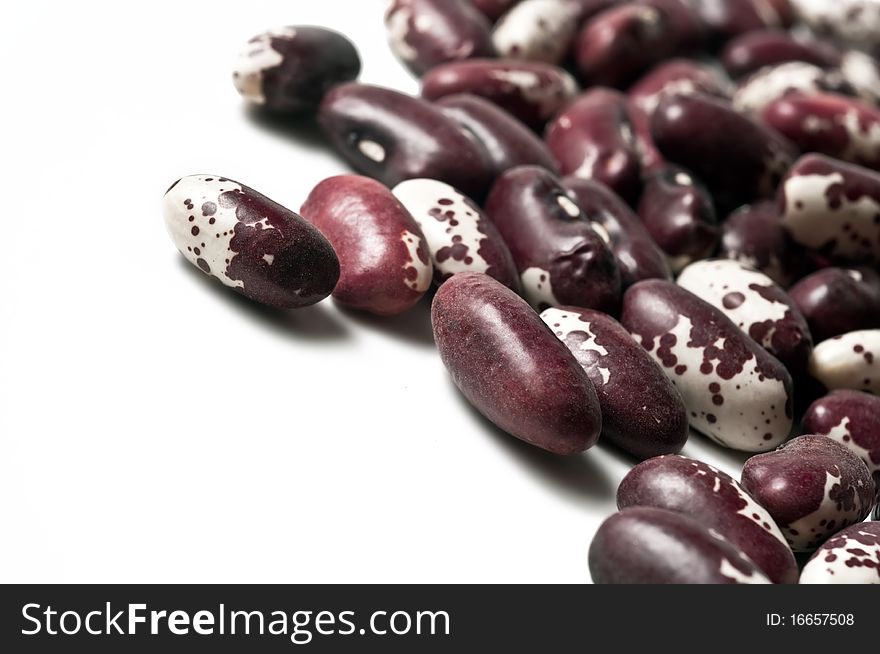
pixel 290 70
pixel 592 138
pixel 538 30
pixel 849 361
pixel 250 243
pixel 678 213
pixel 715 500
pixel 841 127
pixel 530 90
pixel 382 253
pixel 849 557
pixel 426 33
pixel 752 51
pixel 729 18
pixel 494 9
pixel 756 305
pixel 774 82
pixel 638 256
pixel 849 22
pixel 812 486
pixel 832 208
pixel 561 259
pixel 458 234
pixel 393 137
pixel 735 392
pixel 642 412
pixel 511 367
pixel 862 73
pixel 836 301
pixel 506 140
pixel 644 545
pixel 739 159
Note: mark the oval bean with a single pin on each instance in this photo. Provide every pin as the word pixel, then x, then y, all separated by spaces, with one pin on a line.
pixel 774 82
pixel 836 301
pixel 752 51
pixel 851 360
pixel 538 30
pixel 851 556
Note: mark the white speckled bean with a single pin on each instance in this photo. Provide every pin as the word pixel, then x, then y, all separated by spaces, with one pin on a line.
pixel 539 30
pixel 774 82
pixel 851 556
pixel 849 361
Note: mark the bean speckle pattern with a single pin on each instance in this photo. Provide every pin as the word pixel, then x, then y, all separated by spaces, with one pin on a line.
pixel 851 556
pixel 850 361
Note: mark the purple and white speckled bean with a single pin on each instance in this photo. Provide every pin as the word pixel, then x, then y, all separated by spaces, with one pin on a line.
pixel 851 556
pixel 774 82
pixel 851 361
pixel 538 30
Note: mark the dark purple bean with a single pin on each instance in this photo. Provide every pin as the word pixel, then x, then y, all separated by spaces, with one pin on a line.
pixel 836 301
pixel 538 30
pixel 289 70
pixel 507 141
pixel 736 393
pixel 382 252
pixel 592 138
pixel 774 82
pixel 426 33
pixel 841 127
pixel 756 305
pixel 715 500
pixel 494 9
pixel 851 556
pixel 642 412
pixel 729 18
pixel 813 487
pixel 849 361
pixel 638 256
pixel 752 51
pixel 832 208
pixel 644 545
pixel 852 23
pixel 392 137
pixel 248 242
pixel 458 234
pixel 678 213
pixel 560 257
pixel 738 158
pixel 511 367
pixel 530 90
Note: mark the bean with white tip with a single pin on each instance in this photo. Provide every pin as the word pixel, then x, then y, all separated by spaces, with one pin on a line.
pixel 851 360
pixel 538 30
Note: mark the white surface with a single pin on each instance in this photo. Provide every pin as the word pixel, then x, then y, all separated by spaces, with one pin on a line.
pixel 156 427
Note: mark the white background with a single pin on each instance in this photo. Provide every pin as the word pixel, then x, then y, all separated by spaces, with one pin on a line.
pixel 156 427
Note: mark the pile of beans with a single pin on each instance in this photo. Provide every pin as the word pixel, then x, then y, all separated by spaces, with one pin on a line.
pixel 636 219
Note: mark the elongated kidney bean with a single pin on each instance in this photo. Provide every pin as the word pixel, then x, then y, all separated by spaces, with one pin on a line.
pixel 426 33
pixel 638 256
pixel 715 500
pixel 493 9
pixel 774 82
pixel 560 257
pixel 289 70
pixel 837 300
pixel 754 235
pixel 841 127
pixel 735 392
pixel 851 360
pixel 530 90
pixel 459 237
pixel 538 30
pixel 752 51
pixel 642 412
pixel 248 242
pixel 756 305
pixel 812 486
pixel 382 252
pixel 678 213
pixel 862 73
pixel 851 556
pixel 392 137
pixel 592 138
pixel 645 545
pixel 511 367
pixel 832 208
pixel 506 140
pixel 729 18
pixel 738 158
pixel 849 22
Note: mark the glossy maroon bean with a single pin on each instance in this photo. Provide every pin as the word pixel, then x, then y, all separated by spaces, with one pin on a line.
pixel 645 545
pixel 530 90
pixel 618 44
pixel 752 51
pixel 382 252
pixel 812 486
pixel 841 127
pixel 289 70
pixel 838 300
pixel 729 18
pixel 392 137
pixel 511 367
pixel 773 82
pixel 538 30
pixel 736 393
pixel 592 138
pixel 638 256
pixel 560 257
pixel 832 208
pixel 506 140
pixel 494 9
pixel 426 33
pixel 678 213
pixel 851 556
pixel 715 500
pixel 849 22
pixel 848 361
pixel 248 242
pixel 738 158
